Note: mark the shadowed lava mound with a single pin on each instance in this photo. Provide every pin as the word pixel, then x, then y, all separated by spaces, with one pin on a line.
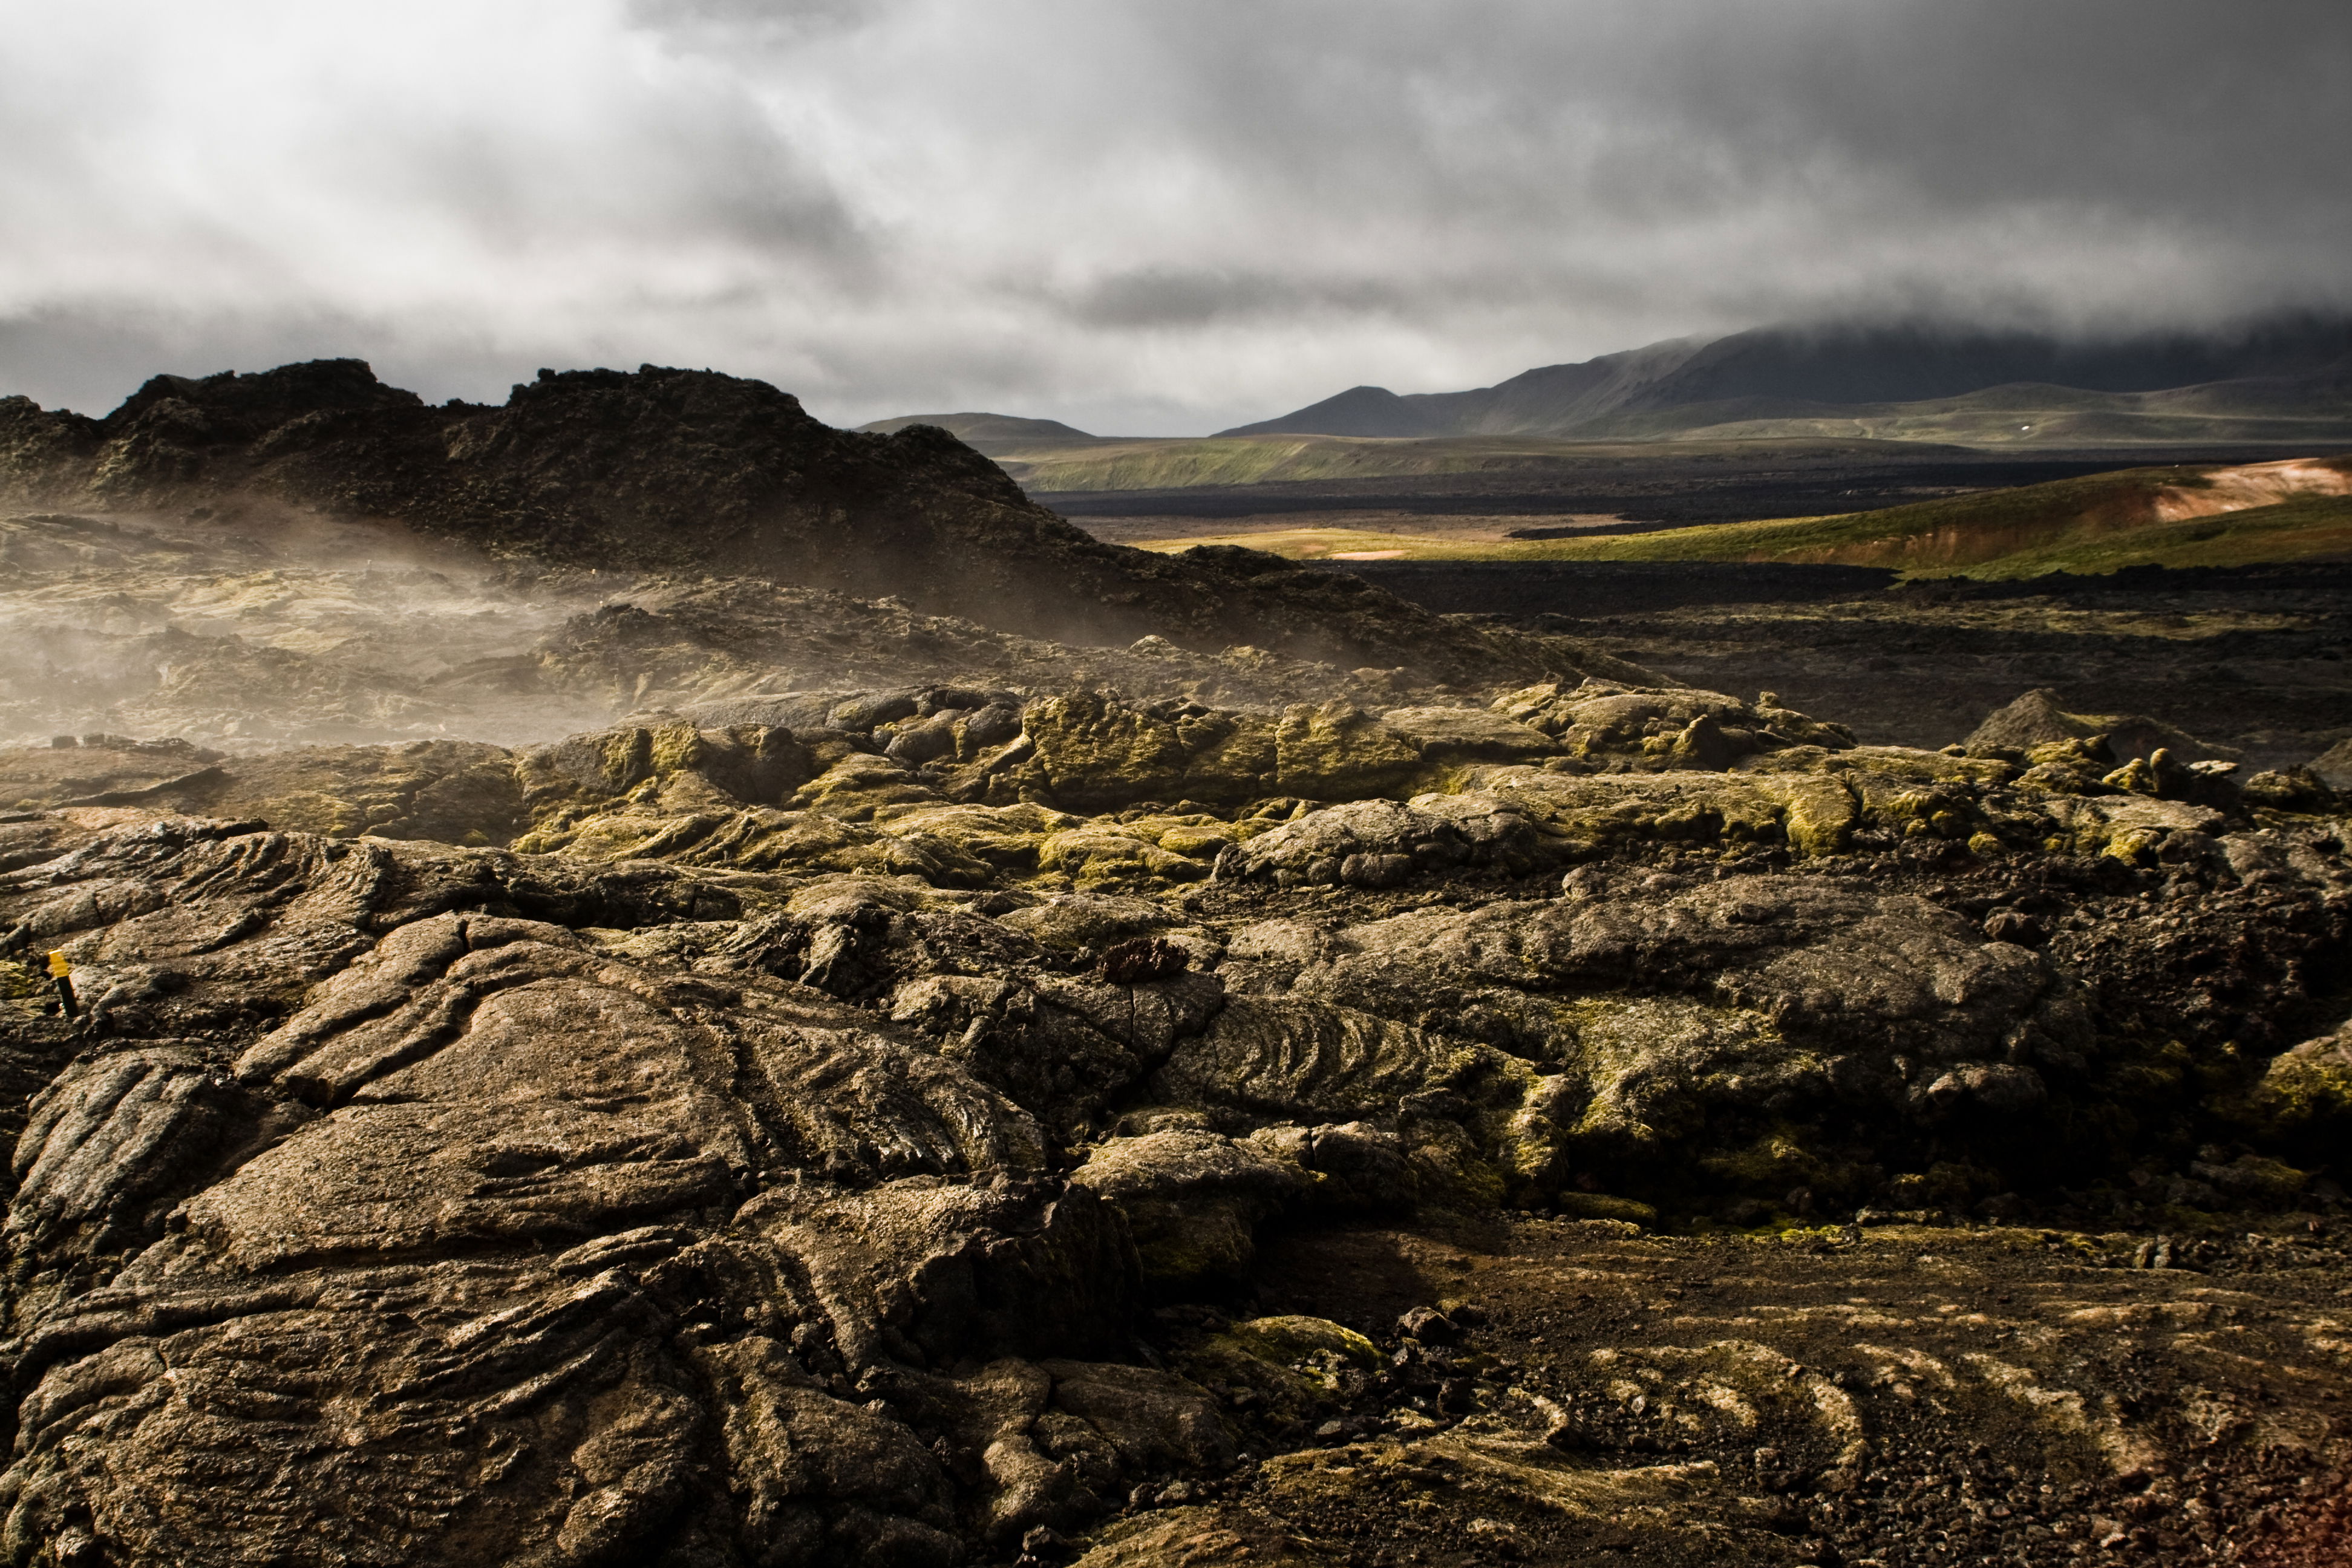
pixel 667 470
pixel 912 1093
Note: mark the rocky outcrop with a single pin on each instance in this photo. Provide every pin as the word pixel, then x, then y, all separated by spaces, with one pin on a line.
pixel 660 470
pixel 2333 767
pixel 493 1193
pixel 779 1149
pixel 852 1085
pixel 2035 720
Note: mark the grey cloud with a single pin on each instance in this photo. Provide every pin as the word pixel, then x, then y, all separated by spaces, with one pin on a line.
pixel 1160 297
pixel 2193 117
pixel 776 20
pixel 1118 210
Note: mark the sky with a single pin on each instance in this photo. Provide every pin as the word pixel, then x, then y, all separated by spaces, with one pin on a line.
pixel 1140 216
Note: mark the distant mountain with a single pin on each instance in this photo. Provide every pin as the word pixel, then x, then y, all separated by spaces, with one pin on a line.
pixel 1364 411
pixel 2280 368
pixel 982 431
pixel 2312 411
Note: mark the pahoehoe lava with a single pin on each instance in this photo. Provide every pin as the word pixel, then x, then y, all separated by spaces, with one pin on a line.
pixel 656 983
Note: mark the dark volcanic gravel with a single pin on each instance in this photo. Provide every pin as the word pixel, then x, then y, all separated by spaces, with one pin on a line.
pixel 2253 658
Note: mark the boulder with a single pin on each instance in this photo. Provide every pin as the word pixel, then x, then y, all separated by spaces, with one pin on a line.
pixel 1092 753
pixel 2333 767
pixel 1469 734
pixel 1293 1338
pixel 1662 727
pixel 2036 719
pixel 2304 1099
pixel 1192 1198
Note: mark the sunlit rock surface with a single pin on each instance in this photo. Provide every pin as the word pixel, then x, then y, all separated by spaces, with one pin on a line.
pixel 770 1144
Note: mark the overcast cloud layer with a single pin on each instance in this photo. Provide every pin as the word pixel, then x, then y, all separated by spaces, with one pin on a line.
pixel 1133 215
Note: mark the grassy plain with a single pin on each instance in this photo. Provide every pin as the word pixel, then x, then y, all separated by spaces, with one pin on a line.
pixel 2031 415
pixel 1177 463
pixel 2012 417
pixel 2097 524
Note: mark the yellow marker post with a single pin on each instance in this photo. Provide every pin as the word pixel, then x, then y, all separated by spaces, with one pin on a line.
pixel 61 970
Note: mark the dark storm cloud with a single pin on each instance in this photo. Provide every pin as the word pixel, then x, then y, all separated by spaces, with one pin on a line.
pixel 1132 213
pixel 2176 127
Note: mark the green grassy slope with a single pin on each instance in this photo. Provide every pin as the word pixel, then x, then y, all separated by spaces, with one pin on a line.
pixel 1177 462
pixel 1958 532
pixel 2314 528
pixel 2033 415
pixel 2096 525
pixel 2008 546
pixel 2051 416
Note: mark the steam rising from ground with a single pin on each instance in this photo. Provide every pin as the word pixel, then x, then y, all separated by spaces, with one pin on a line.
pixel 254 628
pixel 265 627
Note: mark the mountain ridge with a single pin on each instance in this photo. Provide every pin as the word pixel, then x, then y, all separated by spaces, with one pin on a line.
pixel 1832 370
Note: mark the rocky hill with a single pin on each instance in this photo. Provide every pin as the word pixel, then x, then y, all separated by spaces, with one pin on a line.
pixel 982 432
pixel 667 470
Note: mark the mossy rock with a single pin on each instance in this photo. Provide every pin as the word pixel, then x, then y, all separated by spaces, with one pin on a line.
pixel 1198 841
pixel 1333 752
pixel 1291 1338
pixel 859 786
pixel 308 811
pixel 761 839
pixel 1770 1165
pixel 1096 753
pixel 751 764
pixel 1264 1365
pixel 1657 1069
pixel 1092 752
pixel 2254 1177
pixel 1469 734
pixel 1097 857
pixel 1812 814
pixel 1601 1205
pixel 2304 1098
pixel 1657 728
pixel 1087 922
pixel 1191 1199
pixel 1945 1185
pixel 1009 837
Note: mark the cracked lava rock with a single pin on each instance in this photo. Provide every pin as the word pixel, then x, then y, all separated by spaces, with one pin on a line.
pixel 842 1081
